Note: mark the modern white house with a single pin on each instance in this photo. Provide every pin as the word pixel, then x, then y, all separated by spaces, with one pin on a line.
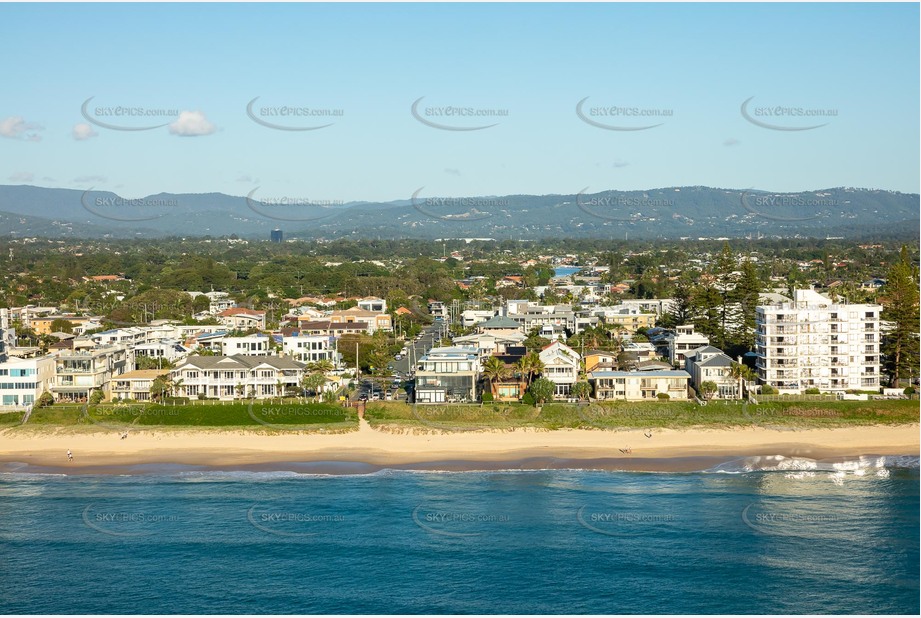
pixel 813 342
pixel 167 349
pixel 373 304
pixel 639 385
pixel 561 366
pixel 683 341
pixel 472 317
pixel 124 336
pixel 256 344
pixel 709 364
pixel 312 348
pixel 447 374
pixel 86 368
pixel 236 377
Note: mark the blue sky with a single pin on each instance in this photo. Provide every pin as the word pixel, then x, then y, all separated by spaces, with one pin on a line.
pixel 693 65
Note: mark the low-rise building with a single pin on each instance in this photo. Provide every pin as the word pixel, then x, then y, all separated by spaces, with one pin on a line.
pixel 235 377
pixel 311 348
pixel 561 366
pixel 683 341
pixel 23 380
pixel 709 364
pixel 376 321
pixel 135 384
pixel 639 385
pixel 447 374
pixel 627 318
pixel 86 368
pixel 256 344
pixel 238 318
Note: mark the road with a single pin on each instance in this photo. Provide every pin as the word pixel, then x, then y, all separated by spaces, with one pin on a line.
pixel 430 335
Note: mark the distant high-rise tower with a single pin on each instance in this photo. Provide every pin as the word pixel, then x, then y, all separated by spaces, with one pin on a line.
pixel 277 235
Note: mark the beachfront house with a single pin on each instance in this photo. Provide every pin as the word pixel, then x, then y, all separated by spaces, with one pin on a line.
pixel 561 366
pixel 447 374
pixel 236 377
pixel 639 385
pixel 709 364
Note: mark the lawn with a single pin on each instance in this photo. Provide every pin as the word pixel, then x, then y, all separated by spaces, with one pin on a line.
pixel 286 416
pixel 641 415
pixel 468 417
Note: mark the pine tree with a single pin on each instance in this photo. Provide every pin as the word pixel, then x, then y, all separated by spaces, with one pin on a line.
pixel 900 307
pixel 682 310
pixel 747 293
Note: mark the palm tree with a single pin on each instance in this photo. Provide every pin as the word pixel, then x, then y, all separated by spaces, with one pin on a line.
pixel 529 365
pixel 742 373
pixel 314 382
pixel 494 370
pixel 323 366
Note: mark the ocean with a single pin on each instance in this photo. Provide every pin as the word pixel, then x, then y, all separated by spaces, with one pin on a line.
pixel 755 536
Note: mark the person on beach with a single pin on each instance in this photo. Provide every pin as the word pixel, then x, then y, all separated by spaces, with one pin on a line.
pixel 70 455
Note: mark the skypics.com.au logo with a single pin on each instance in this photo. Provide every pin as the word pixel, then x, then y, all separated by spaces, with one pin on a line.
pixel 621 117
pixel 455 117
pixel 291 117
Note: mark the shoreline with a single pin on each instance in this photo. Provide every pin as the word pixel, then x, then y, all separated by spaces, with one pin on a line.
pixel 368 450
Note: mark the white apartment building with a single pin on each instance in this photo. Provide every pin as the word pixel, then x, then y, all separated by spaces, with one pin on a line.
pixel 813 342
pixel 23 380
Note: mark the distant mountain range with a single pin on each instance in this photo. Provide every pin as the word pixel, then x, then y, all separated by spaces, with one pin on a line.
pixel 668 213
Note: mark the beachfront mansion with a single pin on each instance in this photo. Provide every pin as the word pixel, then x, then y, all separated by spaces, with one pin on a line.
pixel 812 342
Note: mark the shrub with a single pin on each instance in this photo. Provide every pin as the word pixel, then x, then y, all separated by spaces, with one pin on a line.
pixel 202 396
pixel 96 398
pixel 910 390
pixel 812 391
pixel 486 398
pixel 663 396
pixel 767 389
pixel 45 400
pixel 528 399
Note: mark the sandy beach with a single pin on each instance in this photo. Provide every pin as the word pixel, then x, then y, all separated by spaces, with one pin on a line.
pixel 669 449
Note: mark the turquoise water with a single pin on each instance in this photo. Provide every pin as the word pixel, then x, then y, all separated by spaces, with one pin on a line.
pixel 562 271
pixel 809 539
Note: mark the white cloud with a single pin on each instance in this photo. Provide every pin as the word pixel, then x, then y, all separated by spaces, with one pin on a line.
pixel 731 142
pixel 16 127
pixel 453 171
pixel 83 131
pixel 192 124
pixel 22 177
pixel 85 179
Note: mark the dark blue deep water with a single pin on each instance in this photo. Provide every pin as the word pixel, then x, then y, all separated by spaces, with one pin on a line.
pixel 556 541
